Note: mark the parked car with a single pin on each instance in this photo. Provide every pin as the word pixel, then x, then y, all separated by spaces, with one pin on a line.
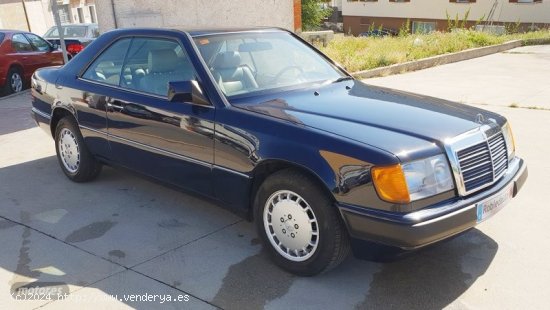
pixel 384 32
pixel 274 130
pixel 21 53
pixel 76 36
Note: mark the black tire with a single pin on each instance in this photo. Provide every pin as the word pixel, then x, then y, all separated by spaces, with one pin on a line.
pixel 333 244
pixel 8 89
pixel 87 167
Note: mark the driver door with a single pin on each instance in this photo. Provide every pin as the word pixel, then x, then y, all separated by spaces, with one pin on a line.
pixel 170 141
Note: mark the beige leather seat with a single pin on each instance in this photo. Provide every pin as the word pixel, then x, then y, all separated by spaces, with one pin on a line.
pixel 231 76
pixel 164 66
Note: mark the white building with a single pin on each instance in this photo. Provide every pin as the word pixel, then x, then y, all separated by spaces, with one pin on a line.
pixel 36 15
pixel 196 13
pixel 431 14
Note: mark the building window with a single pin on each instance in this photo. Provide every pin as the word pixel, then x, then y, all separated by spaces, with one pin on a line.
pixel 423 27
pixel 80 15
pixel 92 14
pixel 525 1
pixel 462 1
pixel 400 0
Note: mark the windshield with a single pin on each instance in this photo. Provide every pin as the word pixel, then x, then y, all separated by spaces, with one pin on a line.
pixel 68 32
pixel 249 62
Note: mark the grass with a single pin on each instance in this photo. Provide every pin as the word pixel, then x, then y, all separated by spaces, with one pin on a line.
pixel 358 54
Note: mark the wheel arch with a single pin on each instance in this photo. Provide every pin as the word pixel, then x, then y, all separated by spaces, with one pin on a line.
pixel 57 114
pixel 17 66
pixel 268 167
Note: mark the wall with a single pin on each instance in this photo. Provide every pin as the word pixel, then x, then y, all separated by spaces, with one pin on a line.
pixel 435 9
pixel 195 13
pixel 13 15
pixel 40 16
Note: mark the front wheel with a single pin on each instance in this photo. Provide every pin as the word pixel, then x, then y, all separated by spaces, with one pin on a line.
pixel 299 224
pixel 75 159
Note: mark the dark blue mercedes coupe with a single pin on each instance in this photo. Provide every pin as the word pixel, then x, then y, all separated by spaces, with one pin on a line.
pixel 271 128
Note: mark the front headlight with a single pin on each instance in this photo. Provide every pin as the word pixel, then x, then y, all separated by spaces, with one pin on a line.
pixel 509 138
pixel 413 181
pixel 428 177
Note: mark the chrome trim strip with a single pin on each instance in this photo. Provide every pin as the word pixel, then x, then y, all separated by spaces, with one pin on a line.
pixel 232 171
pixel 167 153
pixel 161 151
pixel 94 130
pixel 43 114
pixel 446 216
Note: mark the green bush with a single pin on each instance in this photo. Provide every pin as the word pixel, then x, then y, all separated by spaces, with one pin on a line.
pixel 313 14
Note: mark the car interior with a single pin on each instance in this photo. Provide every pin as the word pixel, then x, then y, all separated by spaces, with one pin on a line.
pixel 150 65
pixel 238 65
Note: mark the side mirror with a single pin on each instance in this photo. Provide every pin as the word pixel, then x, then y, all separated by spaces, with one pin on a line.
pixel 186 91
pixel 55 47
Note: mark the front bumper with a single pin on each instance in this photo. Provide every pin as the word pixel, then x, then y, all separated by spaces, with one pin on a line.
pixel 423 227
pixel 42 119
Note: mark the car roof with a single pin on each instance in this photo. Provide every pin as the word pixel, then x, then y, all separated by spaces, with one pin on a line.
pixel 213 31
pixel 193 32
pixel 83 24
pixel 13 31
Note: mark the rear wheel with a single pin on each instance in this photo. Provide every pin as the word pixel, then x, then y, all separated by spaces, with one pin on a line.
pixel 299 224
pixel 14 81
pixel 75 159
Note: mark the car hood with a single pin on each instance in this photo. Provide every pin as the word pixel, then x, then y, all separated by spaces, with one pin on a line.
pixel 406 124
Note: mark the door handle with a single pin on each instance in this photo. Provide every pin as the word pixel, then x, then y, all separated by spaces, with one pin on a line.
pixel 115 105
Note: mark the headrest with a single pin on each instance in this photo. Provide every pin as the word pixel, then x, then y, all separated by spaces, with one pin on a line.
pixel 164 60
pixel 227 60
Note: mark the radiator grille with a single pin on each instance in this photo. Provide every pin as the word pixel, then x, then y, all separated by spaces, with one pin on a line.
pixel 483 163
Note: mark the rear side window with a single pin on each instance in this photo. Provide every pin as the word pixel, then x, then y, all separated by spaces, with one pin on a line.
pixel 38 43
pixel 152 63
pixel 2 37
pixel 107 67
pixel 20 43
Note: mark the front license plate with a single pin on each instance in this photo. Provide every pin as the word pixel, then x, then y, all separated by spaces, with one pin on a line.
pixel 492 205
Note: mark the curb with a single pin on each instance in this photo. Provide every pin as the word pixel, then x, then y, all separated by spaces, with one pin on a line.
pixel 445 59
pixel 536 41
pixel 16 94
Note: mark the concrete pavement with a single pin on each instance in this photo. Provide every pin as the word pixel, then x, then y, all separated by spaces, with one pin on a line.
pixel 517 77
pixel 126 236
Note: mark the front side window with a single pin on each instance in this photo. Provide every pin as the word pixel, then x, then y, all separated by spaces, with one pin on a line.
pixel 107 67
pixel 152 63
pixel 20 43
pixel 248 62
pixel 38 43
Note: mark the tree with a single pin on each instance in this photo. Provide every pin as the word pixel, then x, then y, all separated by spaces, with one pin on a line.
pixel 313 14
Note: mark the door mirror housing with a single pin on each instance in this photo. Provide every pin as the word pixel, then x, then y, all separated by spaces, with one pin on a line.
pixel 187 91
pixel 54 46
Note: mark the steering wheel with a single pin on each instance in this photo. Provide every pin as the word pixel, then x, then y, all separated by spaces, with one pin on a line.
pixel 285 69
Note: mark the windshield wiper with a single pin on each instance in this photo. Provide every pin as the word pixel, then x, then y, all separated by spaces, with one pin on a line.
pixel 341 79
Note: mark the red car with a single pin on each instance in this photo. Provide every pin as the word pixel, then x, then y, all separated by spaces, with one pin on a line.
pixel 21 53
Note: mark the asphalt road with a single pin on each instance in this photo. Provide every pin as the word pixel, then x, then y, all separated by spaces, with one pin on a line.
pixel 127 237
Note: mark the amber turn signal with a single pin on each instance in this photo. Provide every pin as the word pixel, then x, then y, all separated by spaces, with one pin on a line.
pixel 390 183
